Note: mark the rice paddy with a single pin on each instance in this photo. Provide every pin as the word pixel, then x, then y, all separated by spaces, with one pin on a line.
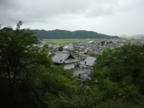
pixel 67 41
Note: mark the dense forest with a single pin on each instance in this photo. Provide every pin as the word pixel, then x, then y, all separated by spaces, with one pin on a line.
pixel 63 34
pixel 29 79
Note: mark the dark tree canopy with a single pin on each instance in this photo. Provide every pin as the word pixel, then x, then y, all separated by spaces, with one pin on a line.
pixel 28 78
pixel 120 73
pixel 19 59
pixel 60 48
pixel 63 34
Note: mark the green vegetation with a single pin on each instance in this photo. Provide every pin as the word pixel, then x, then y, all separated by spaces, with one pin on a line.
pixel 140 39
pixel 29 79
pixel 63 34
pixel 120 75
pixel 60 48
pixel 66 41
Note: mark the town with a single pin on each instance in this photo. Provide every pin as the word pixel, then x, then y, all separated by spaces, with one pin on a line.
pixel 80 55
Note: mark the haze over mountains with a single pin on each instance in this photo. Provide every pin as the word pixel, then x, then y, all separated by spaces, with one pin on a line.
pixel 64 34
pixel 134 36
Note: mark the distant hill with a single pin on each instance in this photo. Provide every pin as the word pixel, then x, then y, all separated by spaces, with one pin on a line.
pixel 63 34
pixel 133 36
pixel 138 36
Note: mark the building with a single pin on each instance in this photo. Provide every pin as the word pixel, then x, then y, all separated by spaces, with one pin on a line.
pixel 65 58
pixel 89 61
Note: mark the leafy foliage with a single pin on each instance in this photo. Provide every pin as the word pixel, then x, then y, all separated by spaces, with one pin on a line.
pixel 60 48
pixel 28 78
pixel 120 73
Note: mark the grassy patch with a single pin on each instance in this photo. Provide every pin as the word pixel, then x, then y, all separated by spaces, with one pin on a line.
pixel 140 39
pixel 67 41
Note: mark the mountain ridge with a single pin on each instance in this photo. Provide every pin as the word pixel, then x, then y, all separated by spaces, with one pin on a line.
pixel 65 34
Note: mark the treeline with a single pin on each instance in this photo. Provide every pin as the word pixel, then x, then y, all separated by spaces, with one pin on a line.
pixel 63 34
pixel 29 79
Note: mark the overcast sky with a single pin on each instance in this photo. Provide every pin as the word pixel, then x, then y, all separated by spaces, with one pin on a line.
pixel 112 17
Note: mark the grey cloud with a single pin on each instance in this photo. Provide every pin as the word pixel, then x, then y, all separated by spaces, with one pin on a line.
pixel 36 10
pixel 33 10
pixel 97 12
pixel 66 12
pixel 50 8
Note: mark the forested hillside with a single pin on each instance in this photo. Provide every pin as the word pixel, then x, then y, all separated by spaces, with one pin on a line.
pixel 63 34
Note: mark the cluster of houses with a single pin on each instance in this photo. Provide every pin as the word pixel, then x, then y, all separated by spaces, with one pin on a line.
pixel 77 55
pixel 69 60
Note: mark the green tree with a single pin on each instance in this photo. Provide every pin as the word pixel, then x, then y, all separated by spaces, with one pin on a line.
pixel 102 43
pixel 60 48
pixel 28 78
pixel 20 60
pixel 120 74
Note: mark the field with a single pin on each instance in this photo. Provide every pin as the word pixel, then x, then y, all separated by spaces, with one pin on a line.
pixel 140 39
pixel 67 41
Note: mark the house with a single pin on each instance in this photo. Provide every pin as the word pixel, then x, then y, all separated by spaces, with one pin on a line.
pixel 68 47
pixel 65 58
pixel 82 74
pixel 89 61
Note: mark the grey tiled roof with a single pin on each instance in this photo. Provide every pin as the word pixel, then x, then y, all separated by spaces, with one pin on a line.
pixel 89 61
pixel 71 60
pixel 83 74
pixel 63 57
